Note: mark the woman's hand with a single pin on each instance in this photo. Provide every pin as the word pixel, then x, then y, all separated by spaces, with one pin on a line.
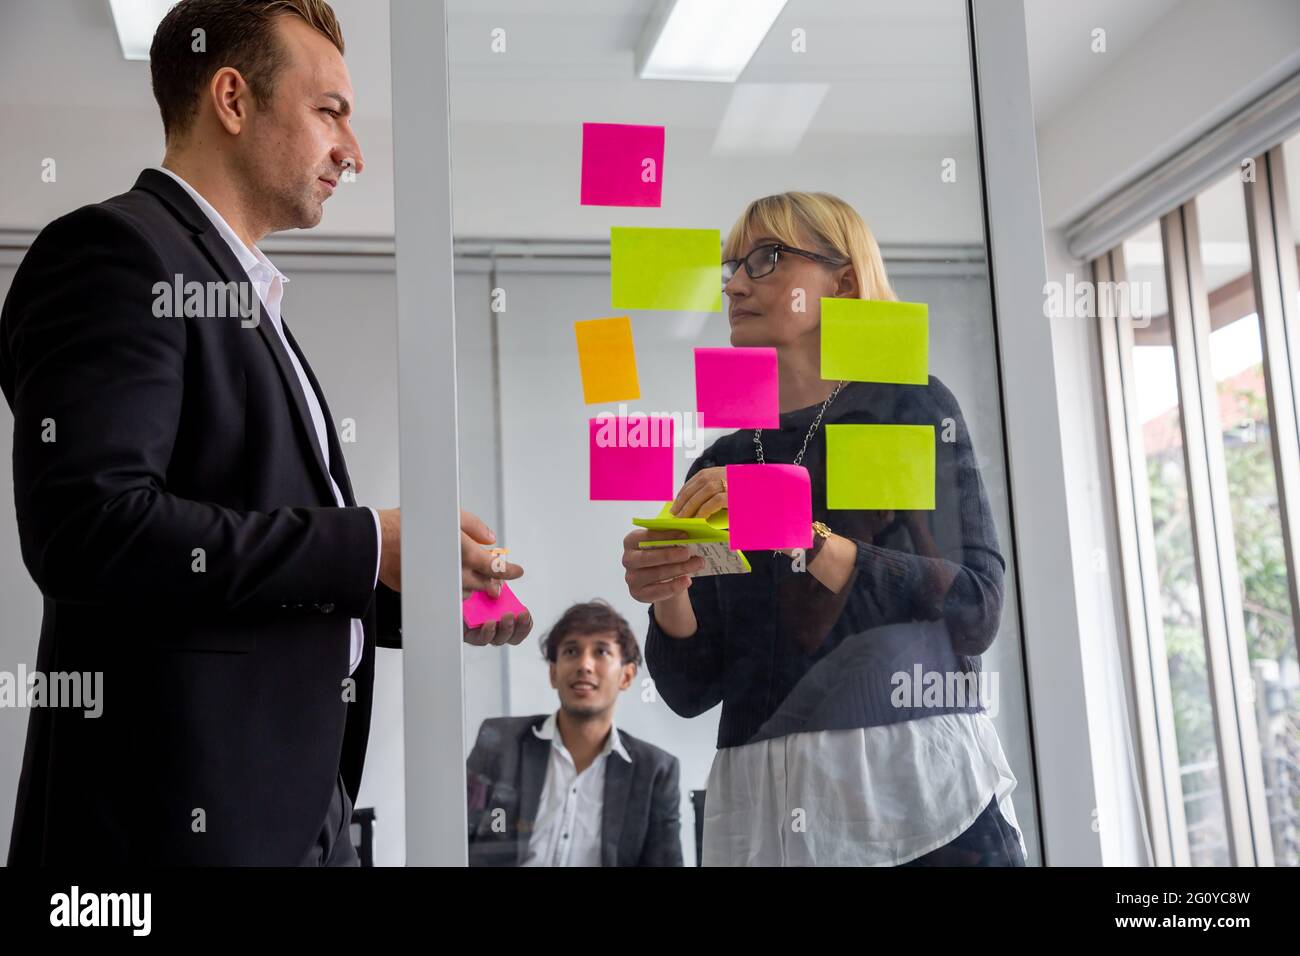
pixel 704 495
pixel 657 574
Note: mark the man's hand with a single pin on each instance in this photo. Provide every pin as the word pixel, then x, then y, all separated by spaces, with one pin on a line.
pixel 477 574
pixel 511 629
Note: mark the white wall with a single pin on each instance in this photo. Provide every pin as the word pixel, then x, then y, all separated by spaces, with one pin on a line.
pixel 1188 72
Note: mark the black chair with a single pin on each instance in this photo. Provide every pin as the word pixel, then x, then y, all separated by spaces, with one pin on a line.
pixel 697 802
pixel 362 831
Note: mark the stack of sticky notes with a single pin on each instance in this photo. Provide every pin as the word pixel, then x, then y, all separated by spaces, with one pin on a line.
pixel 707 538
pixel 480 607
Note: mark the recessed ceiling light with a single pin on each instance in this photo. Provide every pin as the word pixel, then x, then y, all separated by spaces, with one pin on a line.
pixel 710 40
pixel 136 21
pixel 768 118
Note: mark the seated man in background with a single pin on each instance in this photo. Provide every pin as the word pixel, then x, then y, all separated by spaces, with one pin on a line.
pixel 568 789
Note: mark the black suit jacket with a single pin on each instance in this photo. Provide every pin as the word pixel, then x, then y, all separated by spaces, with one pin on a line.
pixel 226 712
pixel 641 814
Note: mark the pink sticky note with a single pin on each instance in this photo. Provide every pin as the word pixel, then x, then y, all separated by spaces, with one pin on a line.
pixel 622 165
pixel 480 607
pixel 737 388
pixel 769 507
pixel 632 458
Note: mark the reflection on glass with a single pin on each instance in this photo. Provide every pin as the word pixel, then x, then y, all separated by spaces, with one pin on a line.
pixel 1158 412
pixel 861 702
pixel 1236 358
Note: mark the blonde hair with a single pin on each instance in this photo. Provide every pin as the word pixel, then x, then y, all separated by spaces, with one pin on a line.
pixel 817 222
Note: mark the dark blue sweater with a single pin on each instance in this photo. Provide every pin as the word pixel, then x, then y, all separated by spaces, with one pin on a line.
pixel 783 653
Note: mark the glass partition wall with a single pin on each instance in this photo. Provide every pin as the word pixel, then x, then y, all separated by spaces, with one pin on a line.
pixel 861 700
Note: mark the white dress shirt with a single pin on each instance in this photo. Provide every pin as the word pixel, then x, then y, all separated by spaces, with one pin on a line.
pixel 569 813
pixel 269 282
pixel 874 796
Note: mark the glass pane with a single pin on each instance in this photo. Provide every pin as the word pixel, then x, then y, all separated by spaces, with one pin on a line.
pixel 1155 384
pixel 863 703
pixel 1236 358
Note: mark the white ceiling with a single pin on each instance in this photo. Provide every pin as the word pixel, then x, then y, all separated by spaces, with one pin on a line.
pixel 894 45
pixel 1061 58
pixel 899 102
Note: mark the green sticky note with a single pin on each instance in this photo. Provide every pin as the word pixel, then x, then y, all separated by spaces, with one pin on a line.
pixel 880 467
pixel 864 340
pixel 712 528
pixel 670 269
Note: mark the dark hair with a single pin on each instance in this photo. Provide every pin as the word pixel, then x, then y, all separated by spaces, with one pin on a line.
pixel 593 617
pixel 236 33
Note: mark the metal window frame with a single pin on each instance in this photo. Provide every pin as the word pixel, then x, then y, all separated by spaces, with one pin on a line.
pixel 1231 692
pixel 1272 244
pixel 1284 238
pixel 1153 698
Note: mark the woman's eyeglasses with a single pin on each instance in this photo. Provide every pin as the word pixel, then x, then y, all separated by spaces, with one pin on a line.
pixel 763 259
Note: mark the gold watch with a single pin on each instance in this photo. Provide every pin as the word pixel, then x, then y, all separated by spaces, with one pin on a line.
pixel 821 533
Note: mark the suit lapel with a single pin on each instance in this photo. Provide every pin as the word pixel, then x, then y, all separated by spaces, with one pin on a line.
pixel 532 775
pixel 618 784
pixel 227 265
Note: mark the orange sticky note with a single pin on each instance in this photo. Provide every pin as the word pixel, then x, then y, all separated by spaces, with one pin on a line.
pixel 607 358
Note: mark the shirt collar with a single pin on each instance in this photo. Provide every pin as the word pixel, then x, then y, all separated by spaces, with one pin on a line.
pixel 547 731
pixel 253 261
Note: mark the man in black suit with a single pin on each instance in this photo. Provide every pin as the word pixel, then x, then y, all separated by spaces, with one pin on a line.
pixel 181 494
pixel 570 788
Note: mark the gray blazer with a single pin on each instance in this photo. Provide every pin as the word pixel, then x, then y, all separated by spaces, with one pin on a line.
pixel 642 803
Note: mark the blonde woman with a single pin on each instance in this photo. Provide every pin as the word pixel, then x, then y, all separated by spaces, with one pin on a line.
pixel 822 758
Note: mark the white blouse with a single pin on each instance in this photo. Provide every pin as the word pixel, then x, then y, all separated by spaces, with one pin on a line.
pixel 872 796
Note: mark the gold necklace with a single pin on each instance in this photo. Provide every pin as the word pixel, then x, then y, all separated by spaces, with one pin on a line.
pixel 758 432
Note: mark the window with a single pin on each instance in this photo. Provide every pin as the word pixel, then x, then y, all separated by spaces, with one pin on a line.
pixel 1200 390
pixel 1244 424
